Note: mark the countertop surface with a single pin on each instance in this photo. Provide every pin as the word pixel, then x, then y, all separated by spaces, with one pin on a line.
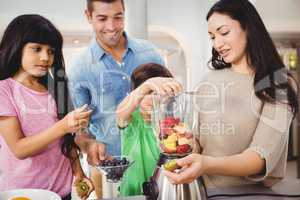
pixel 291 187
pixel 256 192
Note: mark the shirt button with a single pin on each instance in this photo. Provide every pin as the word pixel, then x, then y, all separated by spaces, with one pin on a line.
pixel 103 90
pixel 124 77
pixel 127 93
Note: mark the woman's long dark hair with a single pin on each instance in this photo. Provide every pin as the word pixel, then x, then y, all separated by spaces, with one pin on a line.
pixel 37 29
pixel 261 54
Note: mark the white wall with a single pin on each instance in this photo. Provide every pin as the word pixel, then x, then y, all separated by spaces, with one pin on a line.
pixel 68 14
pixel 185 21
pixel 65 14
pixel 280 16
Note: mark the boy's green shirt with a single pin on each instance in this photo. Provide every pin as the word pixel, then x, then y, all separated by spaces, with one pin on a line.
pixel 140 144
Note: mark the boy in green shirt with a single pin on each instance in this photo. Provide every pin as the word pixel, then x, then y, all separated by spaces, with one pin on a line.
pixel 138 140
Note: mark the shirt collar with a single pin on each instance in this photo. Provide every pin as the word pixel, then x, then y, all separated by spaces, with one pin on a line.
pixel 98 51
pixel 129 43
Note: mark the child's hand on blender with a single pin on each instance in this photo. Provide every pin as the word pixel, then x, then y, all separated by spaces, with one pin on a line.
pixel 161 85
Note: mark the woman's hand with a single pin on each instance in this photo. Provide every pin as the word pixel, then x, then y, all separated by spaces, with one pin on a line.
pixel 193 166
pixel 84 186
pixel 76 120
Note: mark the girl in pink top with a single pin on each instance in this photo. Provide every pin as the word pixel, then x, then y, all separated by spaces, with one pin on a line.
pixel 36 147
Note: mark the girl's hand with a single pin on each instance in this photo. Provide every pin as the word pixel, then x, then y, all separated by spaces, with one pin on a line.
pixel 76 120
pixel 193 166
pixel 162 85
pixel 84 186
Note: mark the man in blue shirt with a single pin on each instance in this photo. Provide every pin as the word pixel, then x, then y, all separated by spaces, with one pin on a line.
pixel 100 77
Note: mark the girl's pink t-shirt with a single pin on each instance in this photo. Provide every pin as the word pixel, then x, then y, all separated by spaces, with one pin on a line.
pixel 36 111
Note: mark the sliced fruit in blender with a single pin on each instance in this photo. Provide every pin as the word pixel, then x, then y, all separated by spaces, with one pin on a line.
pixel 181 128
pixel 170 121
pixel 175 136
pixel 185 148
pixel 172 138
pixel 184 140
pixel 166 130
pixel 170 147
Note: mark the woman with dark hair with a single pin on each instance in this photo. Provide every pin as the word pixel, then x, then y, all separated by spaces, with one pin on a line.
pixel 34 132
pixel 131 115
pixel 247 104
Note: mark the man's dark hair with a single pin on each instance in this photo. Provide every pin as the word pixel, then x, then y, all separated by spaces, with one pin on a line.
pixel 90 3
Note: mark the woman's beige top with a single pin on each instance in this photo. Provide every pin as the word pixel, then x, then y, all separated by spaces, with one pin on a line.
pixel 233 119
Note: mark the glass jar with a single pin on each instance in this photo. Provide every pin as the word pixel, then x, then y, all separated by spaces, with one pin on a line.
pixel 176 122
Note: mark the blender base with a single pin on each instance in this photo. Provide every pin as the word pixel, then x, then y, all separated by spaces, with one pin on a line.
pixel 159 187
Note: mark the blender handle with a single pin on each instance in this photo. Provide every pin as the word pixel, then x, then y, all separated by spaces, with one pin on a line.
pixel 150 189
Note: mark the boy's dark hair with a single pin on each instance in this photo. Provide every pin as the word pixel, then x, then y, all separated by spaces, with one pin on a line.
pixel 90 7
pixel 146 71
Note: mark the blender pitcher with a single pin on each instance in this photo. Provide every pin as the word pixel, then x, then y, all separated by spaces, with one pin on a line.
pixel 175 119
pixel 176 123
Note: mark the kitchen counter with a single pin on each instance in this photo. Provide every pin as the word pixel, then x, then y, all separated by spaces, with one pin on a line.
pixel 291 187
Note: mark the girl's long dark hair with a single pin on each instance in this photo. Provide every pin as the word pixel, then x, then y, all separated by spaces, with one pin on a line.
pixel 37 29
pixel 272 82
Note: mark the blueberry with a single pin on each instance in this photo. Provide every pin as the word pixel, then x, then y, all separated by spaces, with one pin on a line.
pixel 104 163
pixel 109 163
pixel 115 168
pixel 124 161
pixel 119 162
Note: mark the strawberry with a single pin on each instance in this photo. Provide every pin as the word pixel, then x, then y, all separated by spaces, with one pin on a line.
pixel 185 148
pixel 170 121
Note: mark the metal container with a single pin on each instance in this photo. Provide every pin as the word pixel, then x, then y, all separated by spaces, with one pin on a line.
pixel 160 188
pixel 176 122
